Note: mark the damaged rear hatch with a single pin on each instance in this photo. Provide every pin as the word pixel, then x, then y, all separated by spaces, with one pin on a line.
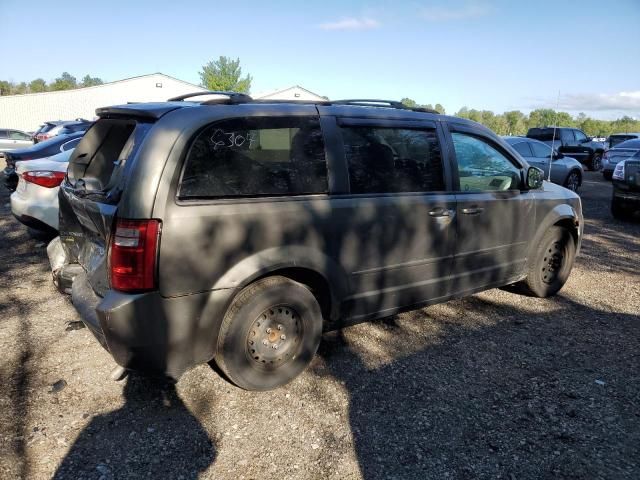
pixel 89 196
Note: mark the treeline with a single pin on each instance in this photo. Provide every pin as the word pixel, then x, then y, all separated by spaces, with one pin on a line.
pixel 517 123
pixel 66 81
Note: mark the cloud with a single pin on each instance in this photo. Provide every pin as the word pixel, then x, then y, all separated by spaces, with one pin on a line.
pixel 621 101
pixel 351 23
pixel 443 14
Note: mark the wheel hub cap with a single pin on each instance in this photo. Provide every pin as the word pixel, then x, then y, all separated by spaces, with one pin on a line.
pixel 552 263
pixel 274 336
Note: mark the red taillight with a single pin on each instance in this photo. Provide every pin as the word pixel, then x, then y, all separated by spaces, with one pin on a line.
pixel 43 178
pixel 134 249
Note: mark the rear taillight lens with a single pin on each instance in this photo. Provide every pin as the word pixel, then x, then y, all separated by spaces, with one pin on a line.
pixel 45 179
pixel 134 251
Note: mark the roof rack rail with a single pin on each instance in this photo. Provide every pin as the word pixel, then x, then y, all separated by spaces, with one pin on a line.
pixel 366 102
pixel 369 102
pixel 232 97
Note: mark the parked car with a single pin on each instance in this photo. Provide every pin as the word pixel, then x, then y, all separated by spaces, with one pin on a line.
pixel 236 230
pixel 616 154
pixel 571 142
pixel 12 139
pixel 35 201
pixel 44 149
pixel 625 201
pixel 62 128
pixel 565 171
pixel 618 138
pixel 39 134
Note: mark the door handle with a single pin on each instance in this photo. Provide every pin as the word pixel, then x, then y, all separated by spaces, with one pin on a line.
pixel 472 210
pixel 439 212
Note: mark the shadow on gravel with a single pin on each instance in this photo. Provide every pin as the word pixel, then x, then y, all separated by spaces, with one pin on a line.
pixel 152 436
pixel 512 396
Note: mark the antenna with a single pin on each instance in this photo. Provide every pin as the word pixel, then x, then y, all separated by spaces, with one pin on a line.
pixel 553 139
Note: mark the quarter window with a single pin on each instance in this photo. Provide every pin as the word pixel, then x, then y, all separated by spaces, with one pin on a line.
pixel 540 150
pixel 522 148
pixel 388 160
pixel 481 167
pixel 260 156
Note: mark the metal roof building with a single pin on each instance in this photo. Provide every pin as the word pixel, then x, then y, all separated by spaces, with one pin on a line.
pixel 28 112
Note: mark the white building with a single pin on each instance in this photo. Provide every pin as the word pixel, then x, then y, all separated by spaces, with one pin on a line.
pixel 292 93
pixel 28 112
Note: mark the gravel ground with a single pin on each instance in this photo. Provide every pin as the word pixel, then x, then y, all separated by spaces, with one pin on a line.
pixel 497 385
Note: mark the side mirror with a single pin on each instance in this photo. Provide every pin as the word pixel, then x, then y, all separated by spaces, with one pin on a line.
pixel 557 156
pixel 535 177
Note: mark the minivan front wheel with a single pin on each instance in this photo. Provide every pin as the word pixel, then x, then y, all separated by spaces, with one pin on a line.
pixel 551 262
pixel 269 334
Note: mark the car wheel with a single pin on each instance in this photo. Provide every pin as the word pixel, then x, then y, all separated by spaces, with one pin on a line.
pixel 617 210
pixel 551 262
pixel 607 175
pixel 269 334
pixel 596 162
pixel 573 181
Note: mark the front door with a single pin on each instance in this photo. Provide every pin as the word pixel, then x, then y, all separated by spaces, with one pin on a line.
pixel 495 215
pixel 397 223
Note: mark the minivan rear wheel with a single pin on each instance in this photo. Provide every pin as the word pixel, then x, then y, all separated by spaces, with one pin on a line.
pixel 551 262
pixel 269 334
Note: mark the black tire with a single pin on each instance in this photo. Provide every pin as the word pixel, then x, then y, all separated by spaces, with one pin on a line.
pixel 573 181
pixel 617 210
pixel 607 175
pixel 275 311
pixel 596 161
pixel 550 263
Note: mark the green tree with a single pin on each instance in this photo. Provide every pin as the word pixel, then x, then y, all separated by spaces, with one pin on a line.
pixel 64 82
pixel 89 81
pixel 542 117
pixel 37 85
pixel 20 88
pixel 5 87
pixel 225 74
pixel 439 108
pixel 408 102
pixel 516 122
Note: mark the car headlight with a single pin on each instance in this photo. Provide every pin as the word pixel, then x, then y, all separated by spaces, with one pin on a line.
pixel 618 173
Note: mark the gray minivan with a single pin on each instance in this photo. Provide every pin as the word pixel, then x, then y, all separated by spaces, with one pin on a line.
pixel 236 230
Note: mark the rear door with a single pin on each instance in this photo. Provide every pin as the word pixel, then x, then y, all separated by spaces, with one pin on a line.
pixel 495 217
pixel 397 219
pixel 89 196
pixel 570 146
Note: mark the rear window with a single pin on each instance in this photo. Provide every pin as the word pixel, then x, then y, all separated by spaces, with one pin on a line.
pixel 99 159
pixel 634 143
pixel 260 156
pixel 615 140
pixel 543 134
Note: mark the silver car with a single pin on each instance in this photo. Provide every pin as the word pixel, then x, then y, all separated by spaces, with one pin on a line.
pixel 565 171
pixel 13 139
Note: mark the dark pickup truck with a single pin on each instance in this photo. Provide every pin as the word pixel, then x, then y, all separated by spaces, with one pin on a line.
pixel 571 142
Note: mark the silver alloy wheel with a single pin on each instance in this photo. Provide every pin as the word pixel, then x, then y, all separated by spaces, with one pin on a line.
pixel 573 181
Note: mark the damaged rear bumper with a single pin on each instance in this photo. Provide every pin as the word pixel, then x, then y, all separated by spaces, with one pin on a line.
pixel 149 332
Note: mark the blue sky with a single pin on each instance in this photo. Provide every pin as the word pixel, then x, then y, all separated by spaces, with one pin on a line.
pixel 485 54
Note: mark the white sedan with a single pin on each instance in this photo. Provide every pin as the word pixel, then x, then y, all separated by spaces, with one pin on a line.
pixel 35 201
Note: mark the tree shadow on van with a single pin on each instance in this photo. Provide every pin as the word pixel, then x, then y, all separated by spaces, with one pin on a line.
pixel 153 435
